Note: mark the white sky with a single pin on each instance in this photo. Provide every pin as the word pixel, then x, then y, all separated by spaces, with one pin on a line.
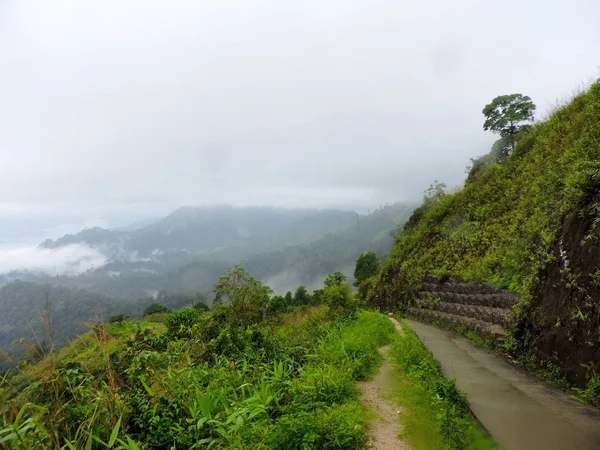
pixel 111 111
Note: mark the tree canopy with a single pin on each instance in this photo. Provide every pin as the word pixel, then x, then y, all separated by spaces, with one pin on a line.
pixel 367 265
pixel 506 113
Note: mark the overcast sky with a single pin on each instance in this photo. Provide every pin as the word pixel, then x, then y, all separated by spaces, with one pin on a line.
pixel 112 111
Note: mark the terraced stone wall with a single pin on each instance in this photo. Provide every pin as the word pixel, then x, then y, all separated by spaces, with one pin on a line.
pixel 480 308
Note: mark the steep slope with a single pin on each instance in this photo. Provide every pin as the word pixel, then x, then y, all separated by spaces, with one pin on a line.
pixel 530 225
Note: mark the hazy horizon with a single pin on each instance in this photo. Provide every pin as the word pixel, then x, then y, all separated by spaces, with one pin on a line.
pixel 115 113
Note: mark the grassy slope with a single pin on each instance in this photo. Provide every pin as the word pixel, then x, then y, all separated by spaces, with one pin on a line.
pixel 504 226
pixel 287 384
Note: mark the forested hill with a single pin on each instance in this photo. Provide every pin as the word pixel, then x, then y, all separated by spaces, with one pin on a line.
pixel 24 310
pixel 528 219
pixel 30 311
pixel 224 232
pixel 308 264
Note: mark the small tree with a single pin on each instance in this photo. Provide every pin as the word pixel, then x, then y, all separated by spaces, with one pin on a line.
pixel 433 194
pixel 367 266
pixel 155 308
pixel 335 279
pixel 289 299
pixel 301 297
pixel 317 297
pixel 201 307
pixel 248 298
pixel 277 305
pixel 506 114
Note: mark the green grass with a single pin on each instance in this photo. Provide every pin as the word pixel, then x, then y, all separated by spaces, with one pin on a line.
pixel 289 384
pixel 436 416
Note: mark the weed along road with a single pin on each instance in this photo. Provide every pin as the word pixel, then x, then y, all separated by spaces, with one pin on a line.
pixel 518 410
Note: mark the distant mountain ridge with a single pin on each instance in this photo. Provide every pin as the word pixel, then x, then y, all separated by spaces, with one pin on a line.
pixel 282 248
pixel 224 232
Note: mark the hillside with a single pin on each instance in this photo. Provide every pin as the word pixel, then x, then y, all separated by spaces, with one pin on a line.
pixel 224 232
pixel 307 264
pixel 529 224
pixel 31 311
pixel 306 247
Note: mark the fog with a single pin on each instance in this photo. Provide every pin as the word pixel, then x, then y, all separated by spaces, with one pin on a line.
pixel 118 111
pixel 69 260
pixel 290 280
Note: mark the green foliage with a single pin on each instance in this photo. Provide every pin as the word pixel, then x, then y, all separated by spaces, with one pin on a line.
pixel 333 427
pixel 118 318
pixel 277 304
pixel 498 154
pixel 248 298
pixel 433 194
pixel 310 243
pixel 506 113
pixel 289 299
pixel 302 297
pixel 503 226
pixel 335 279
pixel 179 324
pixel 155 308
pixel 201 306
pixel 209 385
pixel 591 393
pixel 367 266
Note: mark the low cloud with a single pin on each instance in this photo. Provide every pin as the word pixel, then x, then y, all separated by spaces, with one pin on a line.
pixel 69 260
pixel 290 280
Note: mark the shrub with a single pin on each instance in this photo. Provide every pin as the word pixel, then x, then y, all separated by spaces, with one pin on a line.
pixel 118 318
pixel 179 324
pixel 155 308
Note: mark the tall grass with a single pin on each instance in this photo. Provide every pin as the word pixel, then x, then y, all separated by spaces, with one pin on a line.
pixel 263 386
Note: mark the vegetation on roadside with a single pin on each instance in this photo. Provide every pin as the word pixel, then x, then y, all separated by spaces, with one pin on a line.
pixel 238 376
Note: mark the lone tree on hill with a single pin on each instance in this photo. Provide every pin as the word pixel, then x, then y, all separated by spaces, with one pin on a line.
pixel 506 113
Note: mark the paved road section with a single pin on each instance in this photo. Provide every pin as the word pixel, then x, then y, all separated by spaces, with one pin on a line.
pixel 518 410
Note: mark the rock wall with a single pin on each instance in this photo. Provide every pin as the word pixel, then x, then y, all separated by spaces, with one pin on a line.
pixel 481 308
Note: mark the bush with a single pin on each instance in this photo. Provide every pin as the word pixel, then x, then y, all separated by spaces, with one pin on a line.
pixel 118 318
pixel 201 307
pixel 277 305
pixel 155 308
pixel 338 299
pixel 334 427
pixel 179 324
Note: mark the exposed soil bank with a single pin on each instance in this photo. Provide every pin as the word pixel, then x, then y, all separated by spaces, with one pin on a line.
pixel 563 326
